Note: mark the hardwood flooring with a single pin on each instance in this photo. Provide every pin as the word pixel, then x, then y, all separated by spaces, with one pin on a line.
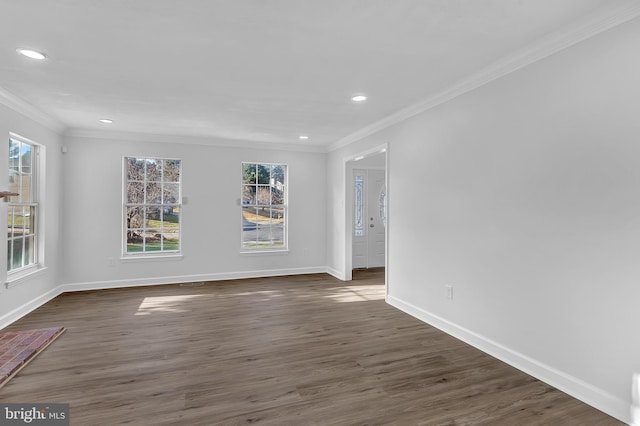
pixel 300 350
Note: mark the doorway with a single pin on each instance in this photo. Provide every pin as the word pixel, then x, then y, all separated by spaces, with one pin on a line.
pixel 369 211
pixel 374 162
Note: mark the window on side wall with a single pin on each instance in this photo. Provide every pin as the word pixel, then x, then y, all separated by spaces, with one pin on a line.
pixel 152 196
pixel 22 210
pixel 264 206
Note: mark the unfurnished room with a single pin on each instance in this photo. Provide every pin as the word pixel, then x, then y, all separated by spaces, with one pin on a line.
pixel 320 212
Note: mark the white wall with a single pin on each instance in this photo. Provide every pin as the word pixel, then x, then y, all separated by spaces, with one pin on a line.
pixel 28 293
pixel 524 195
pixel 210 219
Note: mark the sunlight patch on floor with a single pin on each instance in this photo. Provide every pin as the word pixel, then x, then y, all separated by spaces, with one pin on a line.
pixel 173 304
pixel 357 293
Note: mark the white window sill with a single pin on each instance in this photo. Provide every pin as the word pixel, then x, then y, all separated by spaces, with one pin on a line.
pixel 16 278
pixel 152 257
pixel 258 252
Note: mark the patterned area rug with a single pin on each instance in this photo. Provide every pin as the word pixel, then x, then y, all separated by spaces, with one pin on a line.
pixel 17 348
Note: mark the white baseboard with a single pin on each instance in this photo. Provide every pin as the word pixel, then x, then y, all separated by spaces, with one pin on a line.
pixel 335 273
pixel 573 386
pixel 32 305
pixel 23 310
pixel 137 282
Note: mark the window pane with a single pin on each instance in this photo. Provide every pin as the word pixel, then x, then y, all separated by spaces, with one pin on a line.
pixel 153 193
pixel 276 231
pixel 27 222
pixel 152 240
pixel 170 218
pixel 249 226
pixel 10 219
pixel 264 174
pixel 152 217
pixel 171 193
pixel 277 174
pixel 135 215
pixel 9 253
pixel 29 253
pixel 25 189
pixel 248 194
pixel 26 157
pixel 263 195
pixel 154 170
pixel 248 173
pixel 171 240
pixel 135 169
pixel 277 195
pixel 135 192
pixel 14 181
pixel 134 240
pixel 16 262
pixel 20 220
pixel 14 155
pixel 171 170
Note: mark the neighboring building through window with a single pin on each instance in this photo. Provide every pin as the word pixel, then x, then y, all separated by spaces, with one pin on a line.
pixel 152 205
pixel 22 212
pixel 264 206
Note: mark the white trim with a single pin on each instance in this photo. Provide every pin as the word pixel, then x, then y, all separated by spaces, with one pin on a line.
pixel 30 306
pixel 89 134
pixel 336 274
pixel 543 48
pixel 14 279
pixel 573 386
pixel 138 282
pixel 20 106
pixel 166 256
pixel 263 252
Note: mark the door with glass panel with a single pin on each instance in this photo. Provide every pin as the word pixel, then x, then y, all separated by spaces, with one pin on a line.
pixel 369 209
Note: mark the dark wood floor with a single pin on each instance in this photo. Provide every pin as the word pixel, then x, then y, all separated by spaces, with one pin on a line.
pixel 302 350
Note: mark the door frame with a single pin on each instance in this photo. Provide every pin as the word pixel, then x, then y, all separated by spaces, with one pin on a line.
pixel 351 163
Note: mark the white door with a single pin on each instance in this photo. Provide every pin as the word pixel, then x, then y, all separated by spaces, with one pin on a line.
pixel 368 234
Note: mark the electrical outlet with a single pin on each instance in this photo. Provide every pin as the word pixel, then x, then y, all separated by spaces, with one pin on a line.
pixel 448 292
pixel 111 262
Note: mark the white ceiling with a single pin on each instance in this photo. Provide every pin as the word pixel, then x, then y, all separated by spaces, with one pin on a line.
pixel 261 70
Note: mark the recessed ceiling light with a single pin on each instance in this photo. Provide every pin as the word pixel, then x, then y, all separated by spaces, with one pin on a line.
pixel 359 98
pixel 31 54
pixel 303 137
pixel 358 158
pixel 106 120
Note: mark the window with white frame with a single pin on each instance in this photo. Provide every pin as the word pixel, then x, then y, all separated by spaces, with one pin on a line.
pixel 153 200
pixel 358 211
pixel 264 206
pixel 22 209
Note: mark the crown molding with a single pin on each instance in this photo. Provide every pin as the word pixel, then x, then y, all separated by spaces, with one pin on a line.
pixel 586 28
pixel 91 134
pixel 20 106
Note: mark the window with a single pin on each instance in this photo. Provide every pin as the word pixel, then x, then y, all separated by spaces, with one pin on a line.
pixel 358 211
pixel 152 205
pixel 22 213
pixel 264 206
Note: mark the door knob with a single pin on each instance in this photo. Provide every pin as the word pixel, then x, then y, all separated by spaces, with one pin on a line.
pixel 371 226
